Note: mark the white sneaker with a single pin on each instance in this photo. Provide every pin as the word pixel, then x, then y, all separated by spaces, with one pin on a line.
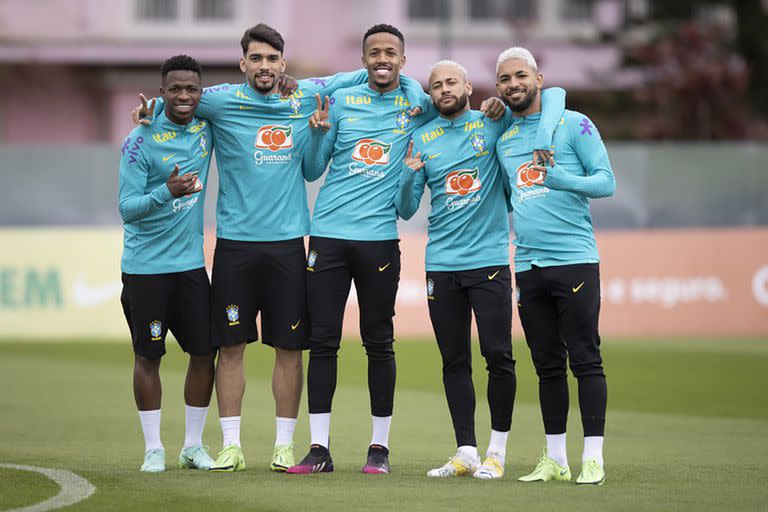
pixel 492 467
pixel 457 465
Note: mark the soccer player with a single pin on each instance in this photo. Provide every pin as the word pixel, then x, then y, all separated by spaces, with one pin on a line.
pixel 262 217
pixel 163 172
pixel 354 238
pixel 556 262
pixel 467 257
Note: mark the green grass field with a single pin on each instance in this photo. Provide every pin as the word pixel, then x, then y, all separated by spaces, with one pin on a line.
pixel 687 429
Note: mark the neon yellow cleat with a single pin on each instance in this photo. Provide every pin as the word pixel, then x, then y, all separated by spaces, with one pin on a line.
pixel 282 458
pixel 591 473
pixel 229 459
pixel 547 470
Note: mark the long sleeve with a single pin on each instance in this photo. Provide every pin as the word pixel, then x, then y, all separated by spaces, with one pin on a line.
pixel 552 109
pixel 408 196
pixel 318 153
pixel 134 204
pixel 418 98
pixel 599 180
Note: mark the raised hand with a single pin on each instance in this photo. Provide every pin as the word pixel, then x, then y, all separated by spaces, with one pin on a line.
pixel 493 108
pixel 319 117
pixel 140 113
pixel 183 185
pixel 413 161
pixel 543 156
pixel 286 85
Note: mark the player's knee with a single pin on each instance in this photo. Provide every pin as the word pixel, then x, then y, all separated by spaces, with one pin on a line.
pixel 379 351
pixel 586 369
pixel 146 365
pixel 499 360
pixel 232 353
pixel 551 373
pixel 324 351
pixel 288 359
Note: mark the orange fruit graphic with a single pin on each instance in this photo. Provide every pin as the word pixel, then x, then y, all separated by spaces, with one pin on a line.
pixel 466 182
pixel 278 138
pixel 375 153
pixel 364 150
pixel 454 183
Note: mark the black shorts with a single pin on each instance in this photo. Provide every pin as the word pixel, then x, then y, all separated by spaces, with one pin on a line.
pixel 559 309
pixel 264 278
pixel 179 301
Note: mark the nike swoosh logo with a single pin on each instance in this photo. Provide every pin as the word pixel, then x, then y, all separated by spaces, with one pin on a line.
pixel 165 158
pixel 294 326
pixel 353 119
pixel 491 276
pixel 91 296
pixel 430 157
pixel 382 269
pixel 563 472
pixel 576 289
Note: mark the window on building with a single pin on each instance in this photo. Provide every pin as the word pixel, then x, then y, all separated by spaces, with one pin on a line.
pixel 161 10
pixel 502 9
pixel 214 9
pixel 429 9
pixel 577 10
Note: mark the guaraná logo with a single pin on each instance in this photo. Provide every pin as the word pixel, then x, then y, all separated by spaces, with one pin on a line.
pixel 274 137
pixel 462 182
pixel 371 152
pixel 527 177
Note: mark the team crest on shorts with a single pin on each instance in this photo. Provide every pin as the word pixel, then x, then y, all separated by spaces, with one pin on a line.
pixel 311 259
pixel 156 330
pixel 233 314
pixel 430 289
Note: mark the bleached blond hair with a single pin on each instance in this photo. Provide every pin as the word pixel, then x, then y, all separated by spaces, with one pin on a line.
pixel 516 52
pixel 450 63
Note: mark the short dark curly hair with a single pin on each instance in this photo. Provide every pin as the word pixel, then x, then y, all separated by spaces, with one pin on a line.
pixel 181 62
pixel 262 33
pixel 383 27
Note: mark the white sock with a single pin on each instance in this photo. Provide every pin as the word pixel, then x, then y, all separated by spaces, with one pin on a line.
pixel 556 448
pixel 230 429
pixel 150 425
pixel 469 453
pixel 284 428
pixel 593 449
pixel 381 430
pixel 498 443
pixel 320 428
pixel 193 434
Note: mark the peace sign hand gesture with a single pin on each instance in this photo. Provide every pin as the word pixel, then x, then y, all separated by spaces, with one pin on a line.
pixel 319 117
pixel 140 113
pixel 413 161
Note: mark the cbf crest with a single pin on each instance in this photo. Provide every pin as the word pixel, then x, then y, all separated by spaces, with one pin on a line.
pixel 156 330
pixel 295 105
pixel 203 146
pixel 233 314
pixel 403 119
pixel 478 142
pixel 430 289
pixel 311 259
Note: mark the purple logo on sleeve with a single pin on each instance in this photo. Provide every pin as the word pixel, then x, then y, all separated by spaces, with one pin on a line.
pixel 586 127
pixel 133 148
pixel 322 82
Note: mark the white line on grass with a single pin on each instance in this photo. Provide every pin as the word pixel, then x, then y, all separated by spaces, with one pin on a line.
pixel 74 488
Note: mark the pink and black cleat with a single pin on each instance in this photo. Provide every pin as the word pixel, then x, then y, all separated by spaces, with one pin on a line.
pixel 378 460
pixel 318 460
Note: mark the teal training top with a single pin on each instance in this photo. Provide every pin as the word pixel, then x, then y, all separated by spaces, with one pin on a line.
pixel 163 234
pixel 365 145
pixel 468 220
pixel 551 216
pixel 260 142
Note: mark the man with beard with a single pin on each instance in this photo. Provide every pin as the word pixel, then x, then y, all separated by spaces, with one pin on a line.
pixel 467 257
pixel 262 217
pixel 165 286
pixel 556 262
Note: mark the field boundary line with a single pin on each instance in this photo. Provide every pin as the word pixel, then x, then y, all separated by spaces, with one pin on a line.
pixel 74 488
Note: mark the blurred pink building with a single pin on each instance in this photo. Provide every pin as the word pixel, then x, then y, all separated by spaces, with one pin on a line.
pixel 70 70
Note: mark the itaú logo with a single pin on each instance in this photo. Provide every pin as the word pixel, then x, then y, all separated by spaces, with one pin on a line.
pixel 527 177
pixel 274 137
pixel 371 152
